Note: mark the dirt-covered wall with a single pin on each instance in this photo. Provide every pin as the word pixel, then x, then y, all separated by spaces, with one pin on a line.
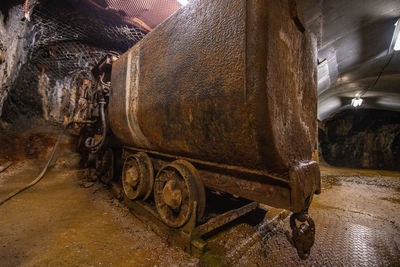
pixel 15 41
pixel 44 61
pixel 362 138
pixel 28 89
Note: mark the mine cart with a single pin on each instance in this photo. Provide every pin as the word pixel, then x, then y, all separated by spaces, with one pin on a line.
pixel 221 96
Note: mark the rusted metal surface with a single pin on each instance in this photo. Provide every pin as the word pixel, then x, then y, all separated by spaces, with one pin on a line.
pixel 305 180
pixel 303 236
pixel 223 219
pixel 235 85
pixel 138 176
pixel 251 184
pixel 179 237
pixel 189 237
pixel 177 187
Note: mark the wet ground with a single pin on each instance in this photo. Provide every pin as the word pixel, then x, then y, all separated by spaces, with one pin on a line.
pixel 67 221
pixel 357 219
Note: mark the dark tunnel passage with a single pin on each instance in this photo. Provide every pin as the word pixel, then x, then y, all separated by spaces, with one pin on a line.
pixel 362 138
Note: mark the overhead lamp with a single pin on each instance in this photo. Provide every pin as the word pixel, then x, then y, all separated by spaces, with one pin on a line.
pixel 357 101
pixel 395 45
pixel 183 2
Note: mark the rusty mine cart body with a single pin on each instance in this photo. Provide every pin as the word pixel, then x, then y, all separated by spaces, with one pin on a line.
pixel 222 95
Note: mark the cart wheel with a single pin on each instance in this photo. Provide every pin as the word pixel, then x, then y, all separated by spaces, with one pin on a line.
pixel 105 165
pixel 176 187
pixel 138 176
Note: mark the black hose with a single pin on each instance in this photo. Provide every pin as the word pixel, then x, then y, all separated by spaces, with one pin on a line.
pixel 41 175
pixel 89 142
pixel 5 166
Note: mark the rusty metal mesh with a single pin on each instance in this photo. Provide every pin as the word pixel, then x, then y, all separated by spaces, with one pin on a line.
pixel 151 12
pixel 70 37
pixel 72 43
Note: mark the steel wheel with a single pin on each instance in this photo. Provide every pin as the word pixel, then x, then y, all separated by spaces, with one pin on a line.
pixel 105 165
pixel 176 187
pixel 138 176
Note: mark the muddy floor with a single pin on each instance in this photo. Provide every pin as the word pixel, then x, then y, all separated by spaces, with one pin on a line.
pixel 67 221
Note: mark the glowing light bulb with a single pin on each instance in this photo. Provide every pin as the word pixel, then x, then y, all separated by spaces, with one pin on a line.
pixel 183 2
pixel 396 37
pixel 356 102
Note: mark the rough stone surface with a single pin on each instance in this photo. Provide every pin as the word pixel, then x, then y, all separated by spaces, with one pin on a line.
pixel 41 64
pixel 362 139
pixel 59 97
pixel 14 49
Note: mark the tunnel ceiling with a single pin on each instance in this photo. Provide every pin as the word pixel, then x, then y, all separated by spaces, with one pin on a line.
pixel 353 50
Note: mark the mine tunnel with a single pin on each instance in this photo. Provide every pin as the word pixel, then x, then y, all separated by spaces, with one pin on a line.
pixel 200 133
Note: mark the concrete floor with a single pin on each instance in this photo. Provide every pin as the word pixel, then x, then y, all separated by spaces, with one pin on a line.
pixel 66 221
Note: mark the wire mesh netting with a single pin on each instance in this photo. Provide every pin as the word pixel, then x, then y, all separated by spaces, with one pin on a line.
pixel 73 35
pixel 70 42
pixel 151 12
pixel 67 39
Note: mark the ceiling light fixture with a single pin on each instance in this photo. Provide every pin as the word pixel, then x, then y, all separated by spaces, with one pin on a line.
pixel 395 45
pixel 357 101
pixel 183 2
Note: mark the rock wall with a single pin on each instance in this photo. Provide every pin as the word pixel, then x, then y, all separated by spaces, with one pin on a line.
pixel 59 97
pixel 46 98
pixel 362 138
pixel 43 61
pixel 15 40
pixel 27 89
